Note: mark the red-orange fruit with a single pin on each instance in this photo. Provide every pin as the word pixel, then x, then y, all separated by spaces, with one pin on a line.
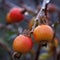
pixel 14 15
pixel 22 44
pixel 52 8
pixel 43 33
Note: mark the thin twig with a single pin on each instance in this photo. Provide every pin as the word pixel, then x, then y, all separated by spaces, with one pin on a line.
pixel 12 54
pixel 46 10
pixel 4 46
pixel 16 55
pixel 58 56
pixel 54 47
pixel 38 52
pixel 28 9
pixel 41 44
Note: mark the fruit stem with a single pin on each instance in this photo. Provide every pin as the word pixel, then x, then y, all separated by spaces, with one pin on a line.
pixel 28 9
pixel 16 55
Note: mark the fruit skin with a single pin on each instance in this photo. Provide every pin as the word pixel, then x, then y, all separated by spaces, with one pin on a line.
pixel 14 15
pixel 22 44
pixel 43 33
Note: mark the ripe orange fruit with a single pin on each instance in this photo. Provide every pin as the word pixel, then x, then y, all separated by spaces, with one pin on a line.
pixel 14 15
pixel 43 33
pixel 22 44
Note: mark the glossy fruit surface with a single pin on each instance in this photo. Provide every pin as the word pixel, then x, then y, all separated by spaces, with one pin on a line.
pixel 14 15
pixel 43 33
pixel 22 44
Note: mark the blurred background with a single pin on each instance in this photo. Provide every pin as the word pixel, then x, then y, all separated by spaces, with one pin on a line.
pixel 8 34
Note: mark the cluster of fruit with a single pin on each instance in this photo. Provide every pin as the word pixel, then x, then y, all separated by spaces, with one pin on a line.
pixel 24 43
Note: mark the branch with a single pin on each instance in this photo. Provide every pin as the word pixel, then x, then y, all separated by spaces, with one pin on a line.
pixel 13 55
pixel 28 9
pixel 38 52
pixel 16 55
pixel 58 56
pixel 54 47
pixel 4 46
pixel 41 44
